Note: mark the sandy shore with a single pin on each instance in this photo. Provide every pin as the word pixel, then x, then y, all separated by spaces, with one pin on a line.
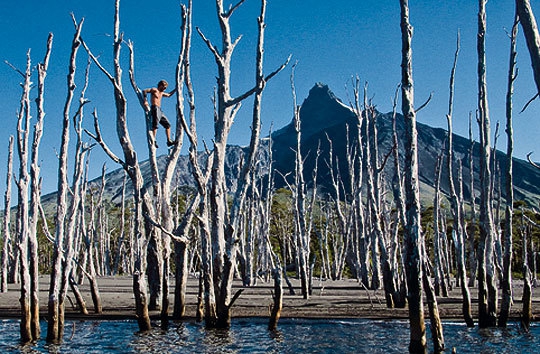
pixel 330 299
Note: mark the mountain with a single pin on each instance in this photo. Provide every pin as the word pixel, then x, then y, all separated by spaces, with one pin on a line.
pixel 323 116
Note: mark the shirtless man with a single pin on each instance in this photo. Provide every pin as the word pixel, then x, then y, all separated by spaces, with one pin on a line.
pixel 155 109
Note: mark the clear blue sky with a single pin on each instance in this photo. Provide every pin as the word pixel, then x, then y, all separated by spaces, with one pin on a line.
pixel 331 40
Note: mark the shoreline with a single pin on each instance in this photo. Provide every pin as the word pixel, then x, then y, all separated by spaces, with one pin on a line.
pixel 330 299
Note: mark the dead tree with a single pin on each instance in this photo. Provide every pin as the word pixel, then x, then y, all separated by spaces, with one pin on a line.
pixel 341 233
pixel 525 231
pixel 22 181
pixel 299 196
pixel 87 267
pixel 131 165
pixel 379 243
pixel 532 37
pixel 35 193
pixel 159 251
pixel 459 233
pixel 200 201
pixel 399 201
pixel 486 281
pixel 471 233
pixel 6 220
pixel 506 302
pixel 66 215
pixel 412 229
pixel 373 218
pixel 440 283
pixel 360 239
pixel 225 225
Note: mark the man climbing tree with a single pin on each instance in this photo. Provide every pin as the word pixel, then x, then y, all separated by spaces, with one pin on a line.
pixel 156 93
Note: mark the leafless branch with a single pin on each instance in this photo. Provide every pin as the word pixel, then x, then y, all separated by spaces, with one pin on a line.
pixel 425 103
pixel 531 161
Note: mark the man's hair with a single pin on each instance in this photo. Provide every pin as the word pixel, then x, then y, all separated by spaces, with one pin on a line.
pixel 163 82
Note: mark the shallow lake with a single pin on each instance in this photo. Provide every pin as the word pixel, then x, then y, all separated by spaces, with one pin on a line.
pixel 251 336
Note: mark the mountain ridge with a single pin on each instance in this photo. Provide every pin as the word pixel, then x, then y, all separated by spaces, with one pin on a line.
pixel 324 116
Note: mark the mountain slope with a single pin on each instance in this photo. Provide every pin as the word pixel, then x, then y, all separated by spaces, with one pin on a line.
pixel 323 116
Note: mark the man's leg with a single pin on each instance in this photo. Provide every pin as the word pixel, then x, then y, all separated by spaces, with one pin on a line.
pixel 154 134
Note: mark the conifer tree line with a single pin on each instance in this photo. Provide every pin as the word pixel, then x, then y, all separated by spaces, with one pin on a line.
pixel 366 224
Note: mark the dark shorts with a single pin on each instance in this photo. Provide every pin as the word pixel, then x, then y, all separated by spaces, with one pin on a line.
pixel 158 117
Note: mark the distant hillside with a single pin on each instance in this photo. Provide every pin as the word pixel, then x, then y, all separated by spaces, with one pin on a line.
pixel 322 114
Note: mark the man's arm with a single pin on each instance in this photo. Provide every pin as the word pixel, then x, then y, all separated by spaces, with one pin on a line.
pixel 169 94
pixel 146 92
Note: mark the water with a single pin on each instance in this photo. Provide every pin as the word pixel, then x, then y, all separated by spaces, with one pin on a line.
pixel 251 336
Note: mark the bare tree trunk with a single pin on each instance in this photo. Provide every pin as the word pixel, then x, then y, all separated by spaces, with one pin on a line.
pixel 440 284
pixel 413 236
pixel 374 198
pixel 360 227
pixel 459 233
pixel 486 287
pixel 7 246
pixel 532 37
pixel 224 239
pixel 278 299
pixel 77 293
pixel 506 302
pixel 471 234
pixel 23 132
pixel 121 249
pixel 131 166
pixel 435 324
pixel 399 200
pixel 35 190
pixel 527 291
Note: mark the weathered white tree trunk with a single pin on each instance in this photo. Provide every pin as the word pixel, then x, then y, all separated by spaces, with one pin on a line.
pixel 131 166
pixel 359 222
pixel 6 220
pixel 412 236
pixel 35 194
pixel 486 287
pixel 532 37
pixel 61 252
pixel 374 192
pixel 225 225
pixel 458 232
pixel 23 132
pixel 440 284
pixel 506 302
pixel 399 201
pixel 526 299
pixel 471 234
